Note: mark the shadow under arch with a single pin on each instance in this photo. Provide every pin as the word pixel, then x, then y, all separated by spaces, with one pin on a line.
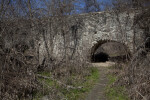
pixel 102 56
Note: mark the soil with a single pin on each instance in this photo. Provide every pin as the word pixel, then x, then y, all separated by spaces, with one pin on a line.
pixel 97 93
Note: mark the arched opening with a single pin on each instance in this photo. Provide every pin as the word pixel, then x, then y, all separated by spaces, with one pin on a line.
pixel 147 43
pixel 106 50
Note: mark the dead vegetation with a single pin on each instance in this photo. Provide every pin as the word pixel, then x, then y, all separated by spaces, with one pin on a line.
pixel 22 33
pixel 22 26
pixel 138 69
pixel 134 74
pixel 17 76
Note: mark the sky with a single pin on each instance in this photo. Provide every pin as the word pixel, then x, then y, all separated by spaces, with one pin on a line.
pixel 81 4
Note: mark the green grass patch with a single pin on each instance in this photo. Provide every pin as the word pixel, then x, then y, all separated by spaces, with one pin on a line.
pixel 48 74
pixel 46 83
pixel 71 94
pixel 79 94
pixel 115 92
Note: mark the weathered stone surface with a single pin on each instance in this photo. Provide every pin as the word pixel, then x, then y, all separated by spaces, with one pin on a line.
pixel 113 49
pixel 96 27
pixel 83 32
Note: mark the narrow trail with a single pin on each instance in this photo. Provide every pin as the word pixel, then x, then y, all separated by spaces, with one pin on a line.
pixel 97 93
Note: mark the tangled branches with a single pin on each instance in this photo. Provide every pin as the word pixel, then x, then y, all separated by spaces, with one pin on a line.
pixel 16 75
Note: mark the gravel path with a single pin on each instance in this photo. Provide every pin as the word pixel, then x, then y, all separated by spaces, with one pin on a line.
pixel 97 93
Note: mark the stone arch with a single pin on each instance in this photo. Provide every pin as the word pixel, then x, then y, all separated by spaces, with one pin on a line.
pixel 105 56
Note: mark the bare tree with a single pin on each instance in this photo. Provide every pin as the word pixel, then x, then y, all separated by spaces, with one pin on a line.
pixel 92 6
pixel 137 71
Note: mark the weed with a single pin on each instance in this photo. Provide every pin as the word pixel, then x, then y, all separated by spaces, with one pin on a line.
pixel 115 92
pixel 75 94
pixel 71 94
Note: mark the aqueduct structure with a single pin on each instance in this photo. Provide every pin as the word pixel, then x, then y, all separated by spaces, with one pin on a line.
pixel 94 27
pixel 83 33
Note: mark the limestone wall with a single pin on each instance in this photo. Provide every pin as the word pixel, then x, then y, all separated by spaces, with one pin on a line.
pixel 81 34
pixel 92 28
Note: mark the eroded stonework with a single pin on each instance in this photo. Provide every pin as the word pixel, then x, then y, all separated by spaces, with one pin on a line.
pixel 95 27
pixel 82 33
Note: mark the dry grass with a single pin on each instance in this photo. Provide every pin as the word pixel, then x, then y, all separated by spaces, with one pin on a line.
pixel 135 76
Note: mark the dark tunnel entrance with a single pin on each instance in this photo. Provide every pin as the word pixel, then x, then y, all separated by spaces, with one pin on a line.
pixel 105 50
pixel 100 57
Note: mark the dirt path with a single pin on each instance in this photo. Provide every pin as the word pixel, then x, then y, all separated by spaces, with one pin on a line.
pixel 97 93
